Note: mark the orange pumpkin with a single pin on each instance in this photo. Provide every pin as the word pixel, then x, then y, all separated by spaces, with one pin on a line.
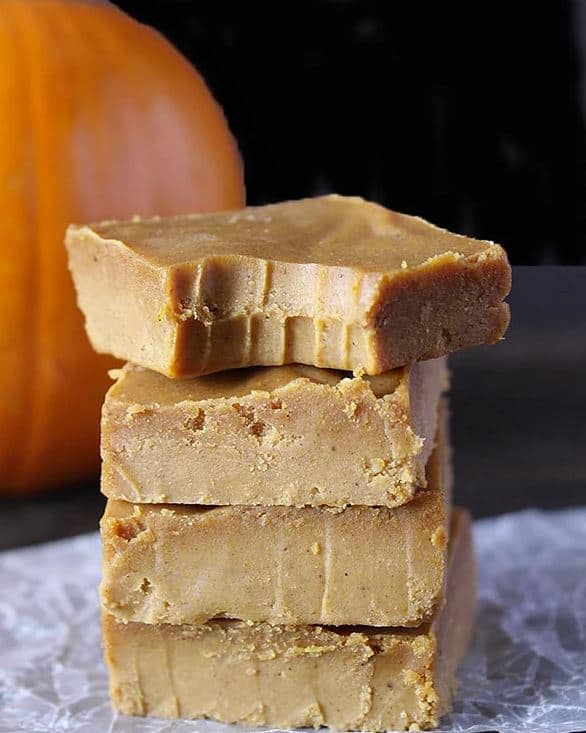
pixel 101 118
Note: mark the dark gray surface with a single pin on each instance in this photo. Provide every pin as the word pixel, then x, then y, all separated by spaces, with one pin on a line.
pixel 518 417
pixel 519 408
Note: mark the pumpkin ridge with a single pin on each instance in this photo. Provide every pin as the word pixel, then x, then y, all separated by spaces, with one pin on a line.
pixel 113 47
pixel 78 108
pixel 40 20
pixel 94 48
pixel 213 133
pixel 21 433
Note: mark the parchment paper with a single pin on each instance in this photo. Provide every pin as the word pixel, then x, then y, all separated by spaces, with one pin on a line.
pixel 526 672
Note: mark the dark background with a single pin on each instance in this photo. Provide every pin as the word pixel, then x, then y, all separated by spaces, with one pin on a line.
pixel 469 114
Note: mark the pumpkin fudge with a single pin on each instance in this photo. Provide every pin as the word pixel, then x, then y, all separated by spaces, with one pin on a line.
pixel 289 435
pixel 349 678
pixel 284 565
pixel 331 281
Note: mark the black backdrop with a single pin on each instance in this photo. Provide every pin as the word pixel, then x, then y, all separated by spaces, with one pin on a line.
pixel 469 114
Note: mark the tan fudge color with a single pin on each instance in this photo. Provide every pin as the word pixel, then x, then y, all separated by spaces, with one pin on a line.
pixel 360 565
pixel 333 282
pixel 349 678
pixel 290 435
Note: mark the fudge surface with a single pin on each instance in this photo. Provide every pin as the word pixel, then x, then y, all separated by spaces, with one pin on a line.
pixel 349 678
pixel 290 435
pixel 284 565
pixel 332 282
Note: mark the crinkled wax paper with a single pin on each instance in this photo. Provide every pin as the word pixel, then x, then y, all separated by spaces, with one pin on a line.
pixel 525 672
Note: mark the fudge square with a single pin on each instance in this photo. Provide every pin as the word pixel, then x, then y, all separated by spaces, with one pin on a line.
pixel 332 282
pixel 363 565
pixel 349 678
pixel 291 435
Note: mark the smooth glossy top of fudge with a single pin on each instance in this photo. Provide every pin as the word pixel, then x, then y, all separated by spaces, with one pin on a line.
pixel 327 230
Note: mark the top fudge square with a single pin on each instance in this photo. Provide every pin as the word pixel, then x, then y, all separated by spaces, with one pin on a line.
pixel 331 281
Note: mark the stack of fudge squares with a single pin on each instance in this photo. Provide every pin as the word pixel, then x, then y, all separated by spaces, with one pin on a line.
pixel 279 543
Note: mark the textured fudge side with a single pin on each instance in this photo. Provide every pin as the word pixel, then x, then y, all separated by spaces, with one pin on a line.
pixel 349 678
pixel 290 435
pixel 334 282
pixel 284 565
